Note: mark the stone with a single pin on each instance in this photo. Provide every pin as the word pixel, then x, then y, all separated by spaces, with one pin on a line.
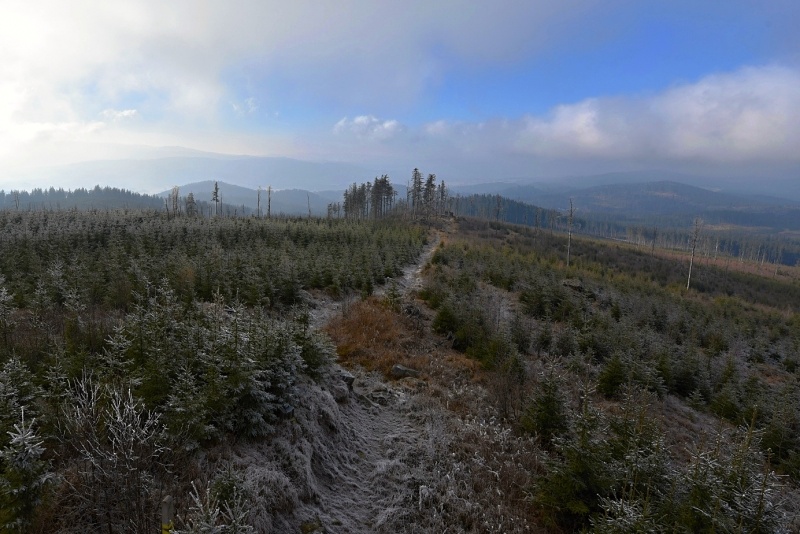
pixel 340 391
pixel 348 378
pixel 401 371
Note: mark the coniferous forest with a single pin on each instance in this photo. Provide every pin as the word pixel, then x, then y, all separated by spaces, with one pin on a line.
pixel 556 383
pixel 131 340
pixel 660 409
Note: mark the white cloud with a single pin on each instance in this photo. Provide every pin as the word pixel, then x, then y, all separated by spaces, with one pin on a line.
pixel 117 115
pixel 169 65
pixel 181 49
pixel 437 128
pixel 753 113
pixel 68 62
pixel 246 107
pixel 746 118
pixel 369 127
pixel 750 114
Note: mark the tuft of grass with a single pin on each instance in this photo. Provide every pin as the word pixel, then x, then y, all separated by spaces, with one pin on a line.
pixel 373 336
pixel 308 527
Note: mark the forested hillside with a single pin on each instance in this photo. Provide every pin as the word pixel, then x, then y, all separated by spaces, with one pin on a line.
pixel 755 234
pixel 130 342
pixel 659 409
pixel 154 353
pixel 83 199
pixel 665 202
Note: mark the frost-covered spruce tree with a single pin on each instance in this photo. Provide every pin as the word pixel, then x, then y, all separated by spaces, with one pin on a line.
pixel 17 392
pixel 208 514
pixel 728 488
pixel 6 315
pixel 547 416
pixel 23 476
pixel 116 455
pixel 186 412
pixel 636 443
pixel 114 361
pixel 269 362
pixel 222 508
pixel 316 348
pixel 639 465
pixel 581 474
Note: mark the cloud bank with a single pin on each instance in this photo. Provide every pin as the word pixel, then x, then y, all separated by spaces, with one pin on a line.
pixel 184 65
pixel 750 115
pixel 80 78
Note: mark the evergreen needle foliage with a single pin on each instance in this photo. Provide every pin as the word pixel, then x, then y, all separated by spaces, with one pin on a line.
pixel 640 346
pixel 137 339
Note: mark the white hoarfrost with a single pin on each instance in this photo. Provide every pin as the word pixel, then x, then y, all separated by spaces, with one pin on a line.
pixel 352 466
pixel 377 458
pixel 362 467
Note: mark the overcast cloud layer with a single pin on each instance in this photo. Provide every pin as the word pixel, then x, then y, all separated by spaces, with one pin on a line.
pixel 467 89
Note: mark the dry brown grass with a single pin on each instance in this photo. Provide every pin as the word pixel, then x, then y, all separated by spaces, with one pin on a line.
pixel 375 337
pixel 484 469
pixel 768 270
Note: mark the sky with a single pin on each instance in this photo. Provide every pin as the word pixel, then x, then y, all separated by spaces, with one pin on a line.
pixel 474 91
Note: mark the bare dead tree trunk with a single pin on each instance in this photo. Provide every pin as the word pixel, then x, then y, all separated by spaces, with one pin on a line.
pixel 569 229
pixel 655 234
pixel 174 199
pixel 695 235
pixel 778 259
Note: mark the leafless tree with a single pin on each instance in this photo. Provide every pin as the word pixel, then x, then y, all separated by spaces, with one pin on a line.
pixel 174 198
pixel 655 235
pixel 698 226
pixel 569 229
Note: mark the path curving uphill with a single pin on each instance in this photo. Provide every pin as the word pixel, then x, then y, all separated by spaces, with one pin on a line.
pixel 351 459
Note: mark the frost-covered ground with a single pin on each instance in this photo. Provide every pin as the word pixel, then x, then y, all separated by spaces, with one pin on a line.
pixel 348 461
pixel 378 456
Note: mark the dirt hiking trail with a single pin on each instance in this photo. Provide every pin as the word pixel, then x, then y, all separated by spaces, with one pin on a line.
pixel 363 455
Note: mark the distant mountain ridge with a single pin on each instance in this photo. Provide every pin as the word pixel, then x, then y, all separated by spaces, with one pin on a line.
pixel 667 201
pixel 632 197
pixel 572 184
pixel 84 199
pixel 281 201
pixel 152 169
pixel 663 198
pixel 156 173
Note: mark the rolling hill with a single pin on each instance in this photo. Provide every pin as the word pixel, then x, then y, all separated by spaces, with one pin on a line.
pixel 154 174
pixel 284 201
pixel 644 202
